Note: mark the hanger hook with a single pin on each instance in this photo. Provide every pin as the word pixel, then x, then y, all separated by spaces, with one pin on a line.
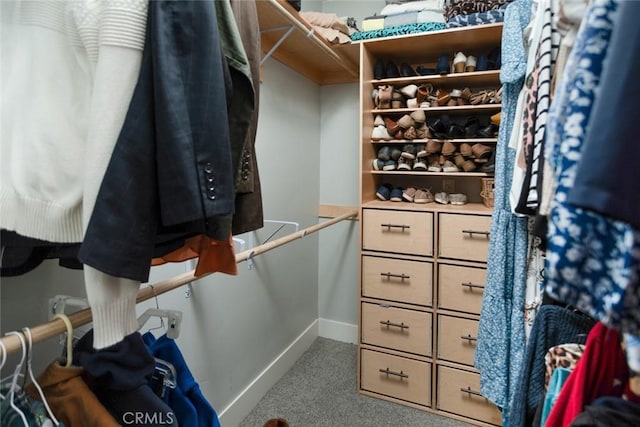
pixel 4 355
pixel 14 380
pixel 69 326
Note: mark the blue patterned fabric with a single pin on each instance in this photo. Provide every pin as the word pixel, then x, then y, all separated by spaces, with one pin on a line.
pixel 501 336
pixel 420 27
pixel 478 18
pixel 592 261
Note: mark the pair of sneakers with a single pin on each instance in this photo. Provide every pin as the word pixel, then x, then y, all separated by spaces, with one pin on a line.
pixel 453 198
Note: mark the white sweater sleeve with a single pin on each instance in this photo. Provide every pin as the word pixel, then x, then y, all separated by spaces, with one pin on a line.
pixel 115 52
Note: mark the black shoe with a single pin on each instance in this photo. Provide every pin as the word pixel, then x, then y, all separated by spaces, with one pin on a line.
pixel 487 131
pixel 406 70
pixel 378 69
pixel 455 131
pixel 392 71
pixel 471 128
pixel 495 60
pixel 439 127
pixel 423 71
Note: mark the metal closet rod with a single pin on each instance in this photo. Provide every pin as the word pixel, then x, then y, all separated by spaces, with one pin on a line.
pixel 56 327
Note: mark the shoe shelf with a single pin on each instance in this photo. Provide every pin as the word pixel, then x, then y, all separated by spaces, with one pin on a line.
pixel 419 173
pixel 290 39
pixel 476 78
pixel 457 109
pixel 424 141
pixel 470 208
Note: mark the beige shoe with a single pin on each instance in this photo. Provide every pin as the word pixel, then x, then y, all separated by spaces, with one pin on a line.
pixel 423 195
pixel 418 116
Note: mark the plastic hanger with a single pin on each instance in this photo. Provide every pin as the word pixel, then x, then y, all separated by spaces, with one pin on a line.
pixel 27 333
pixel 16 375
pixel 69 326
pixel 174 318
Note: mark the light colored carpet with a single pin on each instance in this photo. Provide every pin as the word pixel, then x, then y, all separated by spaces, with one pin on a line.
pixel 320 391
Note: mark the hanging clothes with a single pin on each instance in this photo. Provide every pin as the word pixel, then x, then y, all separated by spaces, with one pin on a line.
pixel 186 399
pixel 592 261
pixel 501 339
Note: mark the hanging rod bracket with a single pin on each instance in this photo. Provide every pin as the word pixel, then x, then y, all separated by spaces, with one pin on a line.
pixel 289 28
pixel 282 224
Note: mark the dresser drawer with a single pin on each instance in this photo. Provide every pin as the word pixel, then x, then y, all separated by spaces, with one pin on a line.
pixel 461 288
pixel 397 328
pixel 459 393
pixel 398 231
pixel 397 280
pixel 457 339
pixel 394 376
pixel 464 236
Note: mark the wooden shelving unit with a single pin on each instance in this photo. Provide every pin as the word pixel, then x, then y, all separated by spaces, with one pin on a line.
pixel 303 49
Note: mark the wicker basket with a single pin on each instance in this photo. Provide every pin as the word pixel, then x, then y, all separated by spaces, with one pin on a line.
pixel 487 192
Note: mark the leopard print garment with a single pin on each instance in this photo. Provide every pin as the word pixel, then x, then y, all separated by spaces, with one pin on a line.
pixel 564 356
pixel 467 7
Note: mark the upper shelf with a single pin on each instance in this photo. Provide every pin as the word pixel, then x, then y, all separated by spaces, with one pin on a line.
pixel 304 49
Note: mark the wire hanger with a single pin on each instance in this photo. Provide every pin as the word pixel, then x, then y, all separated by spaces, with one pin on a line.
pixel 27 333
pixel 16 374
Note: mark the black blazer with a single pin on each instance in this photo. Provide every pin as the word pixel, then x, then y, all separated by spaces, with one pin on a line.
pixel 171 174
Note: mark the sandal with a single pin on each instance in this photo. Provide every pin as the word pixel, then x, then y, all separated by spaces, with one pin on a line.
pixel 424 91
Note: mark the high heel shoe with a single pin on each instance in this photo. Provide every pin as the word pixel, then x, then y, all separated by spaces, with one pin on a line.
pixel 459 62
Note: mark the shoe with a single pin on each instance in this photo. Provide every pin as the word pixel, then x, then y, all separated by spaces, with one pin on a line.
pixel 406 70
pixel 482 63
pixel 421 151
pixel 433 146
pixel 443 65
pixel 458 199
pixel 423 131
pixel 488 131
pixel 455 131
pixel 389 165
pixel 404 164
pixel 459 62
pixel 379 133
pixel 490 166
pixel 449 167
pixel 384 153
pixel 384 192
pixel 448 148
pixel 413 103
pixel 423 92
pixel 434 166
pixel 378 69
pixel 439 127
pixel 418 116
pixel 406 121
pixel 495 119
pixel 397 100
pixel 409 91
pixel 465 150
pixel 419 164
pixel 424 71
pixel 468 166
pixel 494 57
pixel 470 64
pixel 399 133
pixel 423 196
pixel 394 153
pixel 378 121
pixel 391 125
pixel 408 194
pixel 410 133
pixel 396 195
pixel 481 151
pixel 391 71
pixel 471 127
pixel 383 97
pixel 442 197
pixel 442 96
pixel 409 151
pixel 378 164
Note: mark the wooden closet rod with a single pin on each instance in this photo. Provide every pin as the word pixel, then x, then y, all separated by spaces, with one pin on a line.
pixel 56 327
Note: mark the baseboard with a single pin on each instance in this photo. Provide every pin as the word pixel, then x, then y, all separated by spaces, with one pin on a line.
pixel 338 331
pixel 239 408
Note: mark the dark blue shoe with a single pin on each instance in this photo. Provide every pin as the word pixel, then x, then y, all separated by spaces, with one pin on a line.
pixel 384 192
pixel 392 71
pixel 443 66
pixel 482 63
pixel 424 71
pixel 378 69
pixel 406 70
pixel 396 194
pixel 495 60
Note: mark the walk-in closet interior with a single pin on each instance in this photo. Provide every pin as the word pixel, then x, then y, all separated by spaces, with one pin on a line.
pixel 319 213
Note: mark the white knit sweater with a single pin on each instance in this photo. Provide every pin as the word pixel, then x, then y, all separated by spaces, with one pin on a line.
pixel 69 69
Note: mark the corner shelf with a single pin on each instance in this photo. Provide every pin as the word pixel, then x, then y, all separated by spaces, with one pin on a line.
pixel 304 50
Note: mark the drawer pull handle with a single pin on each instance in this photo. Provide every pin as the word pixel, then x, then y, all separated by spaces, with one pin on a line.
pixel 469 338
pixel 469 391
pixel 388 323
pixel 401 226
pixel 471 286
pixel 400 374
pixel 400 276
pixel 472 232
